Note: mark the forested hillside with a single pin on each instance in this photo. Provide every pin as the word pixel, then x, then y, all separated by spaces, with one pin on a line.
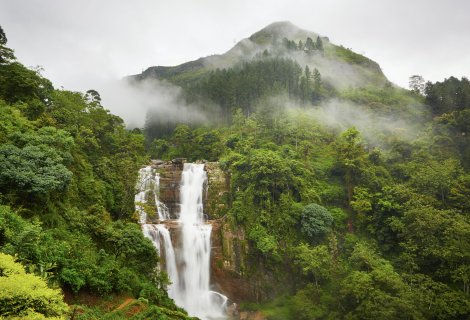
pixel 68 170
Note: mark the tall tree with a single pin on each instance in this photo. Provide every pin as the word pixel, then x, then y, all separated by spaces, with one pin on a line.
pixel 3 37
pixel 319 44
pixel 309 45
pixel 6 54
pixel 351 157
pixel 317 83
pixel 416 84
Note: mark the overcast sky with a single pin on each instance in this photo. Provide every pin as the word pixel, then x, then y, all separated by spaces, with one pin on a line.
pixel 82 44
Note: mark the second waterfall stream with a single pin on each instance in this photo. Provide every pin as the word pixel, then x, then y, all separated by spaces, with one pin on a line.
pixel 187 261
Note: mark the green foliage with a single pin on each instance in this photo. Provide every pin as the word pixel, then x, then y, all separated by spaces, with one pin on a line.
pixel 374 290
pixel 350 56
pixel 275 169
pixel 74 260
pixel 436 300
pixel 309 303
pixel 319 44
pixel 434 179
pixel 201 143
pixel 242 86
pixel 434 238
pixel 32 169
pixel 447 96
pixel 20 84
pixel 416 84
pixel 316 261
pixel 6 54
pixel 3 37
pixel 316 221
pixel 450 101
pixel 27 295
pixel 351 158
pixel 267 173
pixel 383 99
pixel 136 310
pixel 408 200
pixel 264 242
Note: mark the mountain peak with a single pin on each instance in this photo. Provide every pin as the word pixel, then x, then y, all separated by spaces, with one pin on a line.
pixel 280 26
pixel 281 29
pixel 340 67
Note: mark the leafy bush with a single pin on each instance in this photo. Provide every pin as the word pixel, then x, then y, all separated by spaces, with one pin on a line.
pixel 32 169
pixel 264 242
pixel 316 221
pixel 26 295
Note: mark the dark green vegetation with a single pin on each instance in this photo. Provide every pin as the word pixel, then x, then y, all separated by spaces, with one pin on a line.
pixel 341 224
pixel 68 170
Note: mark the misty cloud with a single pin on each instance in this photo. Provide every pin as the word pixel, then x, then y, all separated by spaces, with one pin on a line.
pixel 374 126
pixel 133 101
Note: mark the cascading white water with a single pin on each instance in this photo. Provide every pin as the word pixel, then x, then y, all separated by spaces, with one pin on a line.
pixel 145 184
pixel 188 266
pixel 162 210
pixel 160 235
pixel 149 182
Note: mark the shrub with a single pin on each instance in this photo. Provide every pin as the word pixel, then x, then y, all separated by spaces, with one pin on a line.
pixel 316 221
pixel 26 295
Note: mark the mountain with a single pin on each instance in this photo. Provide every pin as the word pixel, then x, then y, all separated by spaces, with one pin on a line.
pixel 339 66
pixel 281 61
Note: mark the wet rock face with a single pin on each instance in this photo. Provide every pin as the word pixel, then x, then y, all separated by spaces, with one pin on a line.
pixel 228 262
pixel 234 273
pixel 170 177
pixel 216 191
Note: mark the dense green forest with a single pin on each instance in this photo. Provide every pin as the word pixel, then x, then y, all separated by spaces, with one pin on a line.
pixel 68 170
pixel 363 222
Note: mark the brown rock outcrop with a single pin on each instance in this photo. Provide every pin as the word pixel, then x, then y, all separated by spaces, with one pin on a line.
pixel 217 192
pixel 170 177
pixel 228 262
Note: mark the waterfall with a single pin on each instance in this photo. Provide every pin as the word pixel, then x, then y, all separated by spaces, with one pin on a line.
pixel 149 182
pixel 187 265
pixel 145 184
